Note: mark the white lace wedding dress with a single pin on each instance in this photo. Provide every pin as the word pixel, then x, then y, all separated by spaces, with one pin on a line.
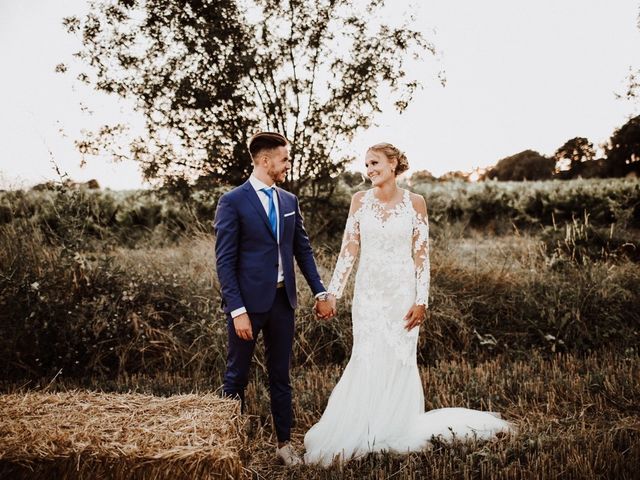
pixel 378 403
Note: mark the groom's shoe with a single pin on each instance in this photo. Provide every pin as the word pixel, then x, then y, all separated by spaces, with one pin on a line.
pixel 288 455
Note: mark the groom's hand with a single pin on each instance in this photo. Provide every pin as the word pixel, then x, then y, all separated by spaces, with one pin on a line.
pixel 242 324
pixel 326 309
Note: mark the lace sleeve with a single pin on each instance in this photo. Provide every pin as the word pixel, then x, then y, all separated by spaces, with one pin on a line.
pixel 348 250
pixel 421 252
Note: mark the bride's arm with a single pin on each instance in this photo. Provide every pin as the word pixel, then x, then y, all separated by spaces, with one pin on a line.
pixel 349 249
pixel 421 250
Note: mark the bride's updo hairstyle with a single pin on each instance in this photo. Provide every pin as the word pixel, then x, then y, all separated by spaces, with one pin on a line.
pixel 392 152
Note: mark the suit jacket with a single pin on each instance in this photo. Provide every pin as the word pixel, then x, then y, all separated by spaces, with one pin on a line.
pixel 247 250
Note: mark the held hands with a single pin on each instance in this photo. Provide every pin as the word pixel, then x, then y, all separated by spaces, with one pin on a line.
pixel 242 324
pixel 325 309
pixel 415 316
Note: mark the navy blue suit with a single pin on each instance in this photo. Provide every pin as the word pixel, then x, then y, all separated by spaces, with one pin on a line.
pixel 247 266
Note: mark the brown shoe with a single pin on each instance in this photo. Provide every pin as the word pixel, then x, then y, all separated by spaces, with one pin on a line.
pixel 288 455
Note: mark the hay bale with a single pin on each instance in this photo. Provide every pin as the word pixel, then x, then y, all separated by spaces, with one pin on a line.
pixel 83 434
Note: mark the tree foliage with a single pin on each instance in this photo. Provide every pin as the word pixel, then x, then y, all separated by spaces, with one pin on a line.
pixel 623 149
pixel 207 74
pixel 526 165
pixel 454 176
pixel 421 176
pixel 574 152
pixel 632 92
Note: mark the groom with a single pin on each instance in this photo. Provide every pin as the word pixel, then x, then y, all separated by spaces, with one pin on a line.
pixel 259 232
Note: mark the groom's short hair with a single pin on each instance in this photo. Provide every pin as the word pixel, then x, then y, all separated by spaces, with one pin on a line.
pixel 265 141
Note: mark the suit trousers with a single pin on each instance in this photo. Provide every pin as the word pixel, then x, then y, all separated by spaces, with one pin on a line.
pixel 277 327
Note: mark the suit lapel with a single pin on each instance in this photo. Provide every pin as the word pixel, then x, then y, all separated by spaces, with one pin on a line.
pixel 252 196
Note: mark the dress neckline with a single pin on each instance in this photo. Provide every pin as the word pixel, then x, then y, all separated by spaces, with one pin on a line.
pixel 385 212
pixel 384 205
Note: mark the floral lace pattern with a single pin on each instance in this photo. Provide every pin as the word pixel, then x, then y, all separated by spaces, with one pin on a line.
pixel 348 254
pixel 378 403
pixel 393 273
pixel 421 258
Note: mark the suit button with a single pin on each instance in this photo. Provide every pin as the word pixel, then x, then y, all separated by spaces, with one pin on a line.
pixel 276 264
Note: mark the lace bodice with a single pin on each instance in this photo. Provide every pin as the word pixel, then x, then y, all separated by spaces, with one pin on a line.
pixel 389 240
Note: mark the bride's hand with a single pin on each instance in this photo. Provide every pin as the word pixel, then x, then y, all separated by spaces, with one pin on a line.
pixel 326 309
pixel 415 316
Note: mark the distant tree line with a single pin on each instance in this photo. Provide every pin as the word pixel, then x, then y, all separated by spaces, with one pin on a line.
pixel 575 159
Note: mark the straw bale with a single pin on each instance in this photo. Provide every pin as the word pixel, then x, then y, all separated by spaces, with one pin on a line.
pixel 84 434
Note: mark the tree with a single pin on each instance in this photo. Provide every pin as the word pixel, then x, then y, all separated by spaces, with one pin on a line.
pixel 206 74
pixel 573 153
pixel 421 176
pixel 623 149
pixel 633 86
pixel 454 176
pixel 633 79
pixel 352 179
pixel 596 168
pixel 526 165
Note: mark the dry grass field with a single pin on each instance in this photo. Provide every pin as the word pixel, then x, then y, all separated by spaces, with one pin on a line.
pixel 538 321
pixel 578 417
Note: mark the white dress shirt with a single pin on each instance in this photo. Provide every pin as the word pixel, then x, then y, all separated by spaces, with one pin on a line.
pixel 264 199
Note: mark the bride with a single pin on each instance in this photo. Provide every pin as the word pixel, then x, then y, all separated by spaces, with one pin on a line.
pixel 378 403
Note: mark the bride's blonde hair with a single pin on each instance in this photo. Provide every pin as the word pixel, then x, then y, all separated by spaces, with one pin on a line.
pixel 392 152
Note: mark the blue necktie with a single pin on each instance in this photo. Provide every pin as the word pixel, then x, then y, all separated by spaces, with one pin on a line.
pixel 272 211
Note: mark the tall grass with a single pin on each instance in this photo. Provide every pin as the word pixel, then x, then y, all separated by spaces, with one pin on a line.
pixel 126 311
pixel 533 312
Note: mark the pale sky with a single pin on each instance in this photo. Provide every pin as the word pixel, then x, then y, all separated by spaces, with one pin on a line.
pixel 519 75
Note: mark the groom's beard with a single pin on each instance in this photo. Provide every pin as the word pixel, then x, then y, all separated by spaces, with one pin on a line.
pixel 276 175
